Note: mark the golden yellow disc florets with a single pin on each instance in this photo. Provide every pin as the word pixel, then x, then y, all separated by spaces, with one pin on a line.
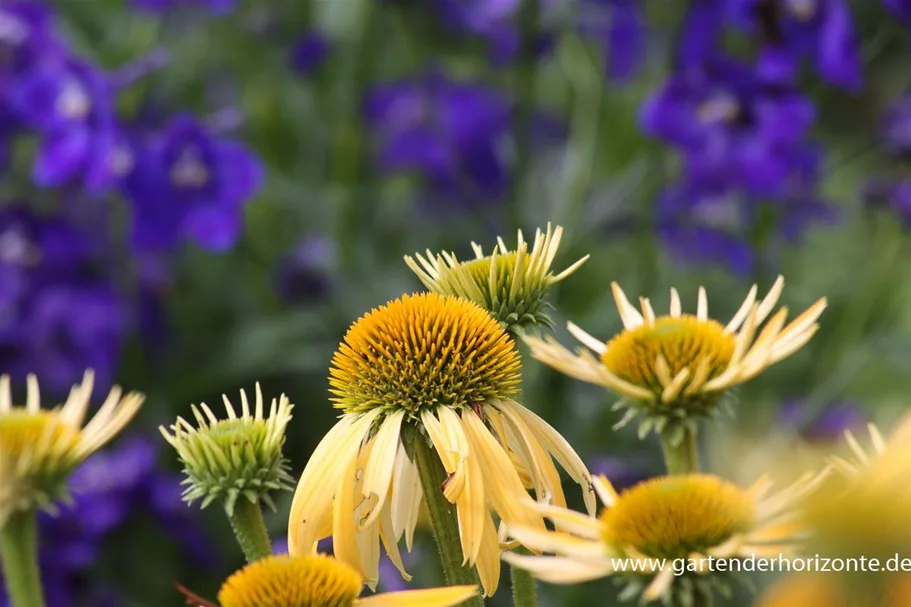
pixel 672 516
pixel 682 341
pixel 22 431
pixel 423 351
pixel 292 581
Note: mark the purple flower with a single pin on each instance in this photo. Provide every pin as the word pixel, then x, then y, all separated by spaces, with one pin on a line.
pixel 59 310
pixel 218 7
pixel 794 29
pixel 451 133
pixel 734 129
pixel 70 104
pixel 894 194
pixel 896 128
pixel 622 473
pixel 701 225
pixel 309 53
pixel 27 34
pixel 900 8
pixel 827 425
pixel 185 182
pixel 305 272
pixel 619 27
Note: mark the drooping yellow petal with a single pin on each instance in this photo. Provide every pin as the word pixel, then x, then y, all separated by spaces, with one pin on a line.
pixel 561 569
pixel 488 561
pixel 406 498
pixel 378 471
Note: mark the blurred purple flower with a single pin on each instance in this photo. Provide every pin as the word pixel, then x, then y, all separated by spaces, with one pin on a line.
pixel 59 310
pixel 896 127
pixel 452 133
pixel 27 34
pixel 894 194
pixel 305 272
pixel 900 8
pixel 309 53
pixel 218 7
pixel 622 473
pixel 827 425
pixel 733 129
pixel 794 29
pixel 618 26
pixel 709 226
pixel 71 105
pixel 186 182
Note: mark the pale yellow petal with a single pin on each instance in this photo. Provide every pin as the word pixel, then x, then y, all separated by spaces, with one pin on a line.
pixel 560 569
pixel 586 339
pixel 431 597
pixel 559 543
pixel 406 497
pixel 659 585
pixel 488 561
pixel 628 314
pixel 379 468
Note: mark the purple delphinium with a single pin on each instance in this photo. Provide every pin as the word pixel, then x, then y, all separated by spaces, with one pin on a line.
pixel 733 128
pixel 187 182
pixel 59 310
pixel 622 473
pixel 827 425
pixel 791 30
pixel 218 7
pixel 70 104
pixel 305 272
pixel 901 9
pixel 451 133
pixel 617 26
pixel 706 226
pixel 894 191
pixel 309 53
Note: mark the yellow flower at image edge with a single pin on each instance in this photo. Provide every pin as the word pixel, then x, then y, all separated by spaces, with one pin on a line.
pixel 318 581
pixel 662 524
pixel 442 369
pixel 827 590
pixel 39 448
pixel 676 367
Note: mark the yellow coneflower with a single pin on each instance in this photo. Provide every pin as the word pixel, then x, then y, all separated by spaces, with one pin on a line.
pixel 317 581
pixel 826 590
pixel 677 366
pixel 39 448
pixel 442 368
pixel 661 525
pixel 881 455
pixel 510 284
pixel 239 457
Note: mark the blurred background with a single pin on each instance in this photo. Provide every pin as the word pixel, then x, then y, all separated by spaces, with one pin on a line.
pixel 197 195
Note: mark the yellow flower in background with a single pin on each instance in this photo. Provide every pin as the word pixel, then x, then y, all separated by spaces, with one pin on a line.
pixel 882 457
pixel 39 448
pixel 317 581
pixel 239 457
pixel 827 590
pixel 442 369
pixel 510 284
pixel 676 367
pixel 668 527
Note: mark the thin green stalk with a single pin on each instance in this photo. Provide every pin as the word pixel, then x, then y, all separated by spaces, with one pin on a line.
pixel 250 530
pixel 442 515
pixel 19 551
pixel 524 587
pixel 683 457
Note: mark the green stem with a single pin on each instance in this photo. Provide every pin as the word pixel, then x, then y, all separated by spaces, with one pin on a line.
pixel 681 457
pixel 19 550
pixel 524 587
pixel 250 530
pixel 442 515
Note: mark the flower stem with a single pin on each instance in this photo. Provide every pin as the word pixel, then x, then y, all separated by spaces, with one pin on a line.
pixel 681 457
pixel 250 530
pixel 524 588
pixel 442 515
pixel 19 551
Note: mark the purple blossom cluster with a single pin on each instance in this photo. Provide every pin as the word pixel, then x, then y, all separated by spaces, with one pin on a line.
pixel 616 26
pixel 894 191
pixel 110 490
pixel 750 170
pixel 181 178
